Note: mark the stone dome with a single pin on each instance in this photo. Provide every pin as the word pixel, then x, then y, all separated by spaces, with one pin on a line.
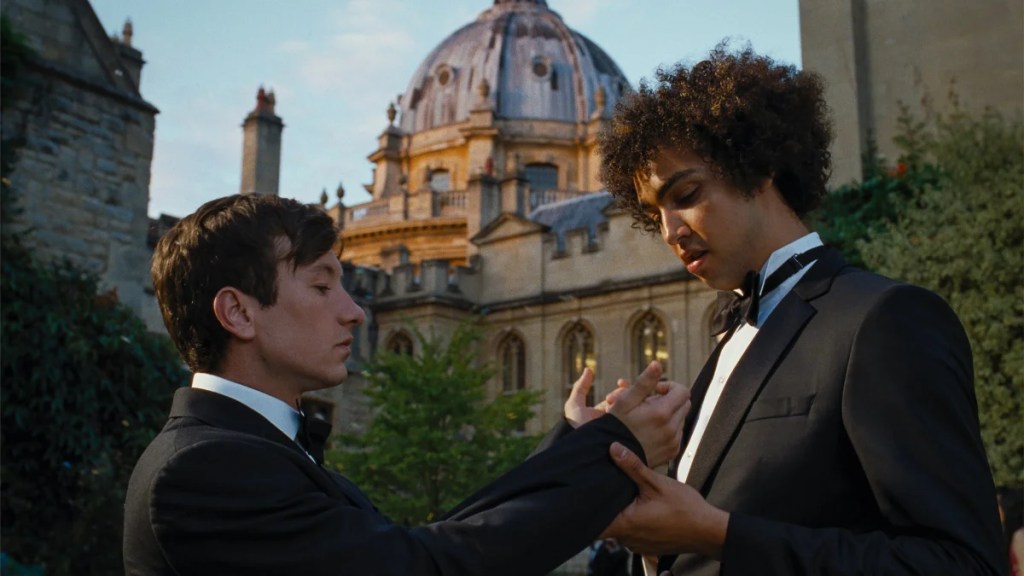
pixel 521 60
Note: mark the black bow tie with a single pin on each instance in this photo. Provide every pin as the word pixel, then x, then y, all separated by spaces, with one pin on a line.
pixel 733 308
pixel 313 433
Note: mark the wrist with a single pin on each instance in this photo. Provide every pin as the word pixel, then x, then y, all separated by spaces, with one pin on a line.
pixel 716 529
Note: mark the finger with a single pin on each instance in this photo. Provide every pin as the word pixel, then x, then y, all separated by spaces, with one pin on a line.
pixel 614 395
pixel 640 389
pixel 580 389
pixel 632 465
pixel 674 396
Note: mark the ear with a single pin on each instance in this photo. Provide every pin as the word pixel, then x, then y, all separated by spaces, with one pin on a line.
pixel 765 185
pixel 233 308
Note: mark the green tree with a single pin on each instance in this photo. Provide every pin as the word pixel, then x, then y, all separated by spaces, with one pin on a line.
pixel 435 437
pixel 961 234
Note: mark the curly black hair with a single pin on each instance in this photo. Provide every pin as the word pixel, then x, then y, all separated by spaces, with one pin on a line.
pixel 744 114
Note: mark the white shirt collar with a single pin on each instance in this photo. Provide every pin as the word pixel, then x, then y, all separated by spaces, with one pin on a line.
pixel 279 413
pixel 769 301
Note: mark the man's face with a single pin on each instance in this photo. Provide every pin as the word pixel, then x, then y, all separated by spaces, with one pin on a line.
pixel 709 223
pixel 305 337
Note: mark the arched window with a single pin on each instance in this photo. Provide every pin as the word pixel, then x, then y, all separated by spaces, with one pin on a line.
pixel 399 343
pixel 649 341
pixel 577 354
pixel 512 358
pixel 440 180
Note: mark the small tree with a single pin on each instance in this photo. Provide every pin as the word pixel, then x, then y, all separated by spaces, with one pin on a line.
pixel 435 438
pixel 962 235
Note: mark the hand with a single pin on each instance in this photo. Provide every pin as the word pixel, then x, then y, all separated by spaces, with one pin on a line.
pixel 577 413
pixel 654 412
pixel 667 517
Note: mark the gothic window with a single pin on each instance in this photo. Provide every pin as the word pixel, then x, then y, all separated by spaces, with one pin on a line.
pixel 512 358
pixel 440 180
pixel 577 354
pixel 400 343
pixel 649 341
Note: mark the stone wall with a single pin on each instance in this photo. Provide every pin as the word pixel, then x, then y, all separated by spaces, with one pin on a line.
pixel 876 55
pixel 86 143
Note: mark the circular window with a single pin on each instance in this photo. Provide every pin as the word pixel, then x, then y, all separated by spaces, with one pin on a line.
pixel 444 74
pixel 540 66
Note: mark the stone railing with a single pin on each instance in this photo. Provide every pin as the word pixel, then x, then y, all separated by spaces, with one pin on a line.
pixel 367 212
pixel 542 197
pixel 451 203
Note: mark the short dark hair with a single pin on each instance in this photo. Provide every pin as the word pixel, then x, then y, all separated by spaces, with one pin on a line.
pixel 231 241
pixel 742 113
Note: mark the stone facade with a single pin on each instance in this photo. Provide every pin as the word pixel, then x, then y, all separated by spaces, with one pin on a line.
pixel 83 168
pixel 878 54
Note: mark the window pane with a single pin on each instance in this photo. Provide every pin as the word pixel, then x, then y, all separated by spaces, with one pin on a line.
pixel 542 177
pixel 440 181
pixel 649 341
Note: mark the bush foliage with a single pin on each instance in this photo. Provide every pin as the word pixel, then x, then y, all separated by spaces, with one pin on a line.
pixel 85 388
pixel 435 437
pixel 961 234
pixel 949 216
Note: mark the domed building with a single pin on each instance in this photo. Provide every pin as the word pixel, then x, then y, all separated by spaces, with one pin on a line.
pixel 501 117
pixel 486 208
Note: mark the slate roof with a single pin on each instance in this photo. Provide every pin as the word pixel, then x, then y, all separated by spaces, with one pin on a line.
pixel 585 212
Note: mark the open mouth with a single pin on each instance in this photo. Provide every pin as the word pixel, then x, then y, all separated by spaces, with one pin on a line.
pixel 694 260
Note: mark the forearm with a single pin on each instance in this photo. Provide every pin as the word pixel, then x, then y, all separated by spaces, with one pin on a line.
pixel 554 504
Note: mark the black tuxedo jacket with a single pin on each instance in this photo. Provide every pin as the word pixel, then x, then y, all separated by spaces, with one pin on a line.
pixel 846 440
pixel 222 491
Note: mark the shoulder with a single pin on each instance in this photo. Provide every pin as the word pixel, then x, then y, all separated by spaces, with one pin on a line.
pixel 862 292
pixel 211 460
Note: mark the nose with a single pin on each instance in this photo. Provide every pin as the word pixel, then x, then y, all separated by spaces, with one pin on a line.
pixel 349 312
pixel 672 227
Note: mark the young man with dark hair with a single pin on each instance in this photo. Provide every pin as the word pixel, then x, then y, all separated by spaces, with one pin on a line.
pixel 250 290
pixel 834 428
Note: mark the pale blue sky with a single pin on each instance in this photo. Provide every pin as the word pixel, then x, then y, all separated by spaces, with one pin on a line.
pixel 335 64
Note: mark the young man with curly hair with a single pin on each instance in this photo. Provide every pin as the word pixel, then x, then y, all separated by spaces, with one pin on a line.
pixel 251 292
pixel 834 429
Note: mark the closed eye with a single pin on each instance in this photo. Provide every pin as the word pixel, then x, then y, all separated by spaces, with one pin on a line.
pixel 684 197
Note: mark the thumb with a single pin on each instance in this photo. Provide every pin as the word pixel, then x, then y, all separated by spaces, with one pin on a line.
pixel 632 465
pixel 580 389
pixel 645 384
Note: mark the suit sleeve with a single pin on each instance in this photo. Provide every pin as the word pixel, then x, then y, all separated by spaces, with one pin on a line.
pixel 243 509
pixel 911 416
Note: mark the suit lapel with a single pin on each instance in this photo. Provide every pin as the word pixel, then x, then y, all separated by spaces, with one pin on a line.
pixel 757 364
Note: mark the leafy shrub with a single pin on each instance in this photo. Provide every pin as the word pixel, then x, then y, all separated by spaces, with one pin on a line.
pixel 434 438
pixel 961 234
pixel 85 388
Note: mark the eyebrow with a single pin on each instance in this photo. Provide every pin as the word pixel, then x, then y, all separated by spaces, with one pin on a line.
pixel 325 269
pixel 675 177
